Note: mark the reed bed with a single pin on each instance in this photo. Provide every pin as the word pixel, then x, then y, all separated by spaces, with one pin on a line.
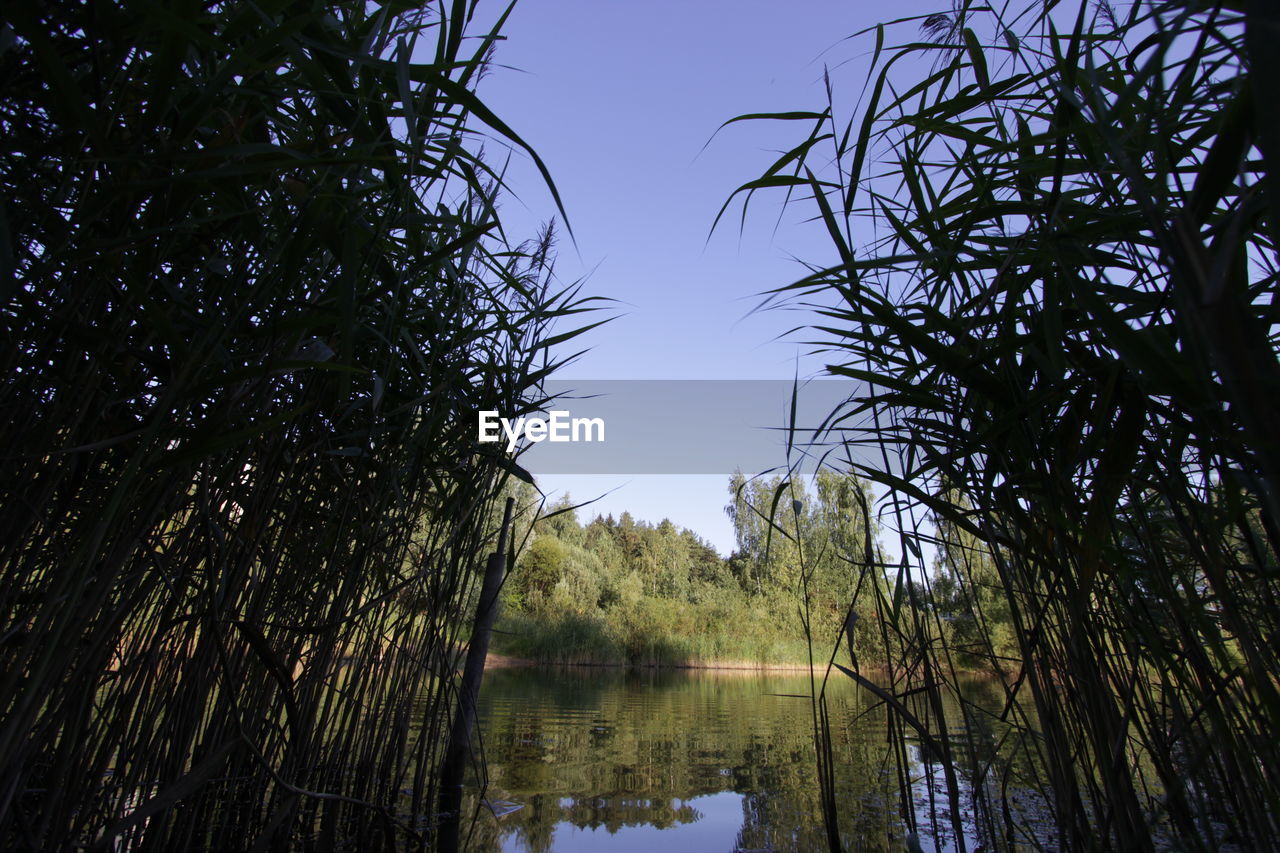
pixel 255 289
pixel 1054 265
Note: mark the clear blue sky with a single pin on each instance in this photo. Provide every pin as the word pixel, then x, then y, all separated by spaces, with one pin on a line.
pixel 620 97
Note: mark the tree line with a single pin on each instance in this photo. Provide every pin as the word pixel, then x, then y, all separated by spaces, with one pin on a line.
pixel 619 590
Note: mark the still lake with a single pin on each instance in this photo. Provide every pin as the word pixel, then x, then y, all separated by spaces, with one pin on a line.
pixel 604 759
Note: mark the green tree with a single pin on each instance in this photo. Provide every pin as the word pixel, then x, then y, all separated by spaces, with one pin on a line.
pixel 968 591
pixel 561 520
pixel 540 568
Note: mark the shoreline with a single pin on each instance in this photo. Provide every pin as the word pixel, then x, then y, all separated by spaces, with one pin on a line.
pixel 500 661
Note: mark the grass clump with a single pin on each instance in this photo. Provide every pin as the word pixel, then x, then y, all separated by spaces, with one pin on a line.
pixel 1053 263
pixel 253 293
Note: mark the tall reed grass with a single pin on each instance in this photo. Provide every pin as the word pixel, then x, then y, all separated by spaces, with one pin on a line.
pixel 255 289
pixel 1054 263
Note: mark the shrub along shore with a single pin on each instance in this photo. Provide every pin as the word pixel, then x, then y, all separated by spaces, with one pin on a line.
pixel 744 667
pixel 628 592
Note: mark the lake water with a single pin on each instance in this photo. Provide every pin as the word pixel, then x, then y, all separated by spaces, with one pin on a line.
pixel 600 759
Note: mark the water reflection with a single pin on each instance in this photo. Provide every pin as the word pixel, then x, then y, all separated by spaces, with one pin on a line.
pixel 613 760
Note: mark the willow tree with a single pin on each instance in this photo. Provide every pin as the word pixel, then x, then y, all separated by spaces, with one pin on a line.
pixel 254 292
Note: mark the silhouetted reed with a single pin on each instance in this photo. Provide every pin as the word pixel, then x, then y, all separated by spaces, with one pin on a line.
pixel 1054 265
pixel 255 291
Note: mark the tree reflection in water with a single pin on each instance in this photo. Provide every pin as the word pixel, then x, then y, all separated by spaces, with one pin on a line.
pixel 608 759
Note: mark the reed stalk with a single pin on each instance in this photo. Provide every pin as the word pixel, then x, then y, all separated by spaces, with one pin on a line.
pixel 255 290
pixel 1054 265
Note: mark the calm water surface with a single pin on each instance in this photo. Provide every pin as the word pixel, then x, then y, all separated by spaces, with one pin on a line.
pixel 598 759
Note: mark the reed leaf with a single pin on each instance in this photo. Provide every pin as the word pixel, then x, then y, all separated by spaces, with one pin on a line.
pixel 1060 300
pixel 258 293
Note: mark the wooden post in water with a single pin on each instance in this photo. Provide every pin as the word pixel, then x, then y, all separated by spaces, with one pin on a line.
pixel 459 749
